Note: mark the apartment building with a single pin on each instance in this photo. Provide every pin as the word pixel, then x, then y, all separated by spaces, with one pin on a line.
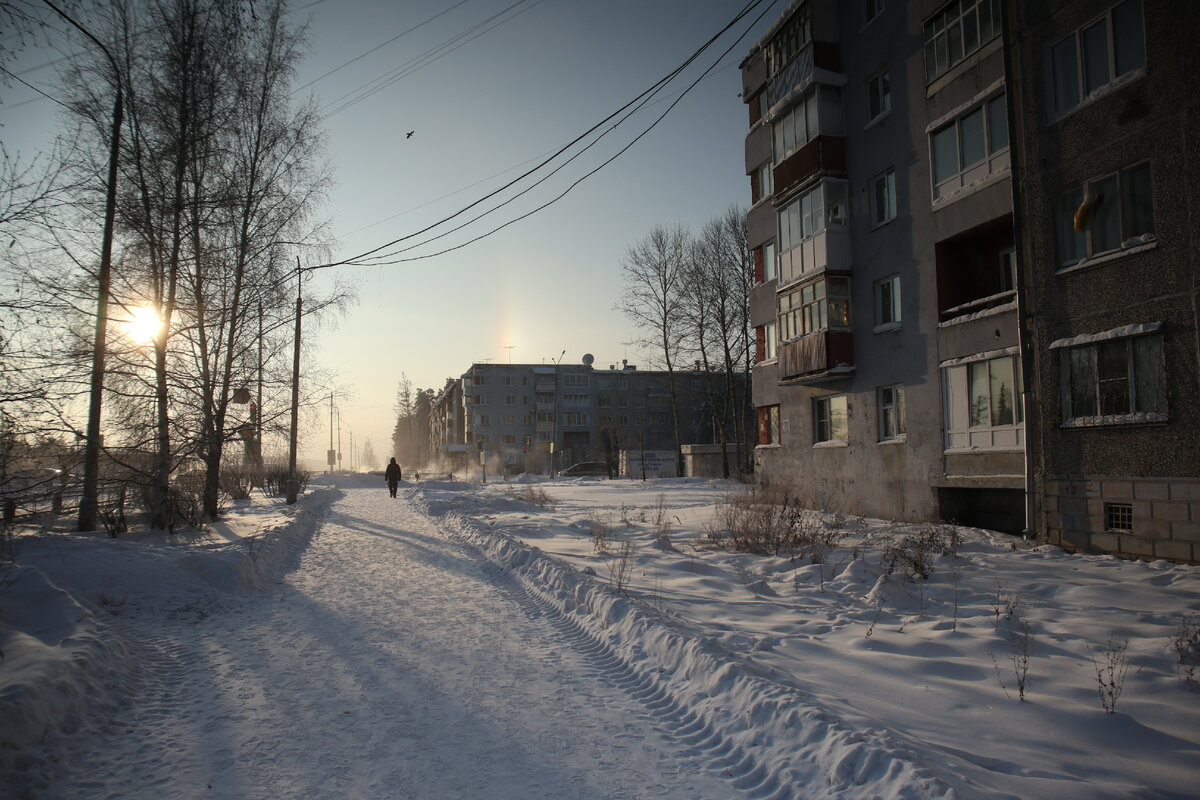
pixel 1109 130
pixel 888 380
pixel 544 417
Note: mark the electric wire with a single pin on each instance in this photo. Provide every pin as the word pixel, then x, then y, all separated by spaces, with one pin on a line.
pixel 369 258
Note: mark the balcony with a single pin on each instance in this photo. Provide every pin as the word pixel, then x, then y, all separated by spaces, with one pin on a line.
pixel 799 71
pixel 819 356
pixel 827 249
pixel 824 154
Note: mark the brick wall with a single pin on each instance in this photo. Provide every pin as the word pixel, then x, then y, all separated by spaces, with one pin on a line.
pixel 1092 515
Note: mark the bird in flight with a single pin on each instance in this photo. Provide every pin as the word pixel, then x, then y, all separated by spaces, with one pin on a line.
pixel 410 133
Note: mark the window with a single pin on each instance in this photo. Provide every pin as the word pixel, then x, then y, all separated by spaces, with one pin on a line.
pixel 762 183
pixel 957 31
pixel 770 341
pixel 891 412
pixel 1118 517
pixel 1097 55
pixel 575 380
pixel 819 112
pixel 1115 381
pixel 1107 214
pixel 527 420
pixel 1008 270
pixel 769 270
pixel 768 425
pixel 484 420
pixel 830 419
pixel 483 440
pixel 481 400
pixel 814 307
pixel 811 212
pixel 508 419
pixel 480 380
pixel 508 380
pixel 576 419
pixel 871 9
pixel 545 417
pixel 508 438
pixel 879 96
pixel 510 399
pixel 983 404
pixel 883 198
pixel 887 301
pixel 791 39
pixel 658 418
pixel 970 148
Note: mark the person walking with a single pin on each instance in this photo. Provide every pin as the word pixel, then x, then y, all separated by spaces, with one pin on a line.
pixel 393 476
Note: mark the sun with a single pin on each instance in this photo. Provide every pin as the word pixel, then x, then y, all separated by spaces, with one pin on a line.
pixel 144 324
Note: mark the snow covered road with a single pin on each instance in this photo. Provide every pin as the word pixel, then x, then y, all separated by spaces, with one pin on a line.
pixel 393 662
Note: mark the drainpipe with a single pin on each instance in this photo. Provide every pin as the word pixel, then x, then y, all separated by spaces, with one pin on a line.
pixel 1024 287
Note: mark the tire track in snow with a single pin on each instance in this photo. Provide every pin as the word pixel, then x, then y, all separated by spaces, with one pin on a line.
pixel 699 743
pixel 767 739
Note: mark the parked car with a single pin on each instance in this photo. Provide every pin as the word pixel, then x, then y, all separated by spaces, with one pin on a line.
pixel 585 468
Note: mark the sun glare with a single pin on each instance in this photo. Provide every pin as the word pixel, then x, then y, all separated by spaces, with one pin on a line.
pixel 144 324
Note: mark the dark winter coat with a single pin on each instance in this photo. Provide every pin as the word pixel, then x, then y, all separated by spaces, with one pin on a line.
pixel 393 473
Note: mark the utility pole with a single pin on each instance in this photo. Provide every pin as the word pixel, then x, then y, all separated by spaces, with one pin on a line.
pixel 293 484
pixel 332 452
pixel 89 503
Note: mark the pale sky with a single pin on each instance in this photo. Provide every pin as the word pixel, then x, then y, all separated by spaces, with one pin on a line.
pixel 481 114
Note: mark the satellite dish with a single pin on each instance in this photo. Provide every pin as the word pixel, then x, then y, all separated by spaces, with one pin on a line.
pixel 588 358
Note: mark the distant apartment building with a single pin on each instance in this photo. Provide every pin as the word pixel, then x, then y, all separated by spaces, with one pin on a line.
pixel 544 417
pixel 888 375
pixel 1109 131
pixel 889 143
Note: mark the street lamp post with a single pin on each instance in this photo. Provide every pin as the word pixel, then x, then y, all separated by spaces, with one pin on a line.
pixel 89 503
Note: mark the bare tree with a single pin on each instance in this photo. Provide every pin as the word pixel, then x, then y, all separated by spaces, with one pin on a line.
pixel 652 299
pixel 220 177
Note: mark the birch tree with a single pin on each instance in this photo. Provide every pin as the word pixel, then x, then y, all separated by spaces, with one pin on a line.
pixel 652 299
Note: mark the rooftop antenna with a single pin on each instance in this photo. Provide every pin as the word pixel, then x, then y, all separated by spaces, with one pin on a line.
pixel 509 348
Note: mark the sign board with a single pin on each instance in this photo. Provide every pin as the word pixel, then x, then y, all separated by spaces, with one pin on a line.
pixel 658 464
pixel 332 456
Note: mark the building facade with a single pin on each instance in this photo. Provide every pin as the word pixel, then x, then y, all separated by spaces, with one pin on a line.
pixel 888 375
pixel 545 417
pixel 926 353
pixel 1109 131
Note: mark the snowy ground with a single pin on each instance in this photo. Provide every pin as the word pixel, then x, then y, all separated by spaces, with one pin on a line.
pixel 465 642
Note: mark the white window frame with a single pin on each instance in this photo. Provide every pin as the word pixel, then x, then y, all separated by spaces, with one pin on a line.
pixel 994 159
pixel 956 31
pixel 883 198
pixel 974 419
pixel 770 341
pixel 831 419
pixel 891 412
pixel 1074 73
pixel 814 307
pixel 887 303
pixel 818 113
pixel 1087 208
pixel 770 263
pixel 811 213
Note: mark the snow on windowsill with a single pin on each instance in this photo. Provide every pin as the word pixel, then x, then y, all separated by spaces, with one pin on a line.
pixel 1124 332
pixel 887 327
pixel 1129 247
pixel 1138 418
pixel 826 445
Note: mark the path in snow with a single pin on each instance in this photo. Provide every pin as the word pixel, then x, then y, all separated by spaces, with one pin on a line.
pixel 394 662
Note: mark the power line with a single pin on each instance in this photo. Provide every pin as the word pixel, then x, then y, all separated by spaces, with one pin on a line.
pixel 373 257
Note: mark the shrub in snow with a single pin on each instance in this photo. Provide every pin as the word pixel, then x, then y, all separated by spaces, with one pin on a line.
pixel 1111 666
pixel 1186 643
